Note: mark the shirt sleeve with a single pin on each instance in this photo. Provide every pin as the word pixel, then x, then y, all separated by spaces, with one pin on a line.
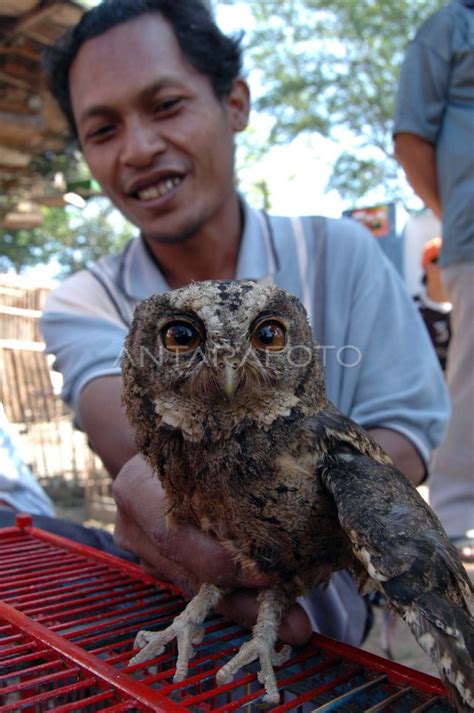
pixel 424 79
pixel 382 369
pixel 18 486
pixel 84 332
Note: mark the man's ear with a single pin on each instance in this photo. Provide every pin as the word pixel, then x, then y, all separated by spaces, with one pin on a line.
pixel 238 104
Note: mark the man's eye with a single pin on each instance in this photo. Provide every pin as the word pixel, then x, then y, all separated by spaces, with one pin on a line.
pixel 166 105
pixel 100 132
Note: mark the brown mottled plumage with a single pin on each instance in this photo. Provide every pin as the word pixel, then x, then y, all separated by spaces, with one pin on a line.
pixel 223 385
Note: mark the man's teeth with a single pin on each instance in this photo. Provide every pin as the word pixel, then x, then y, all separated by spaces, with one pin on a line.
pixel 159 190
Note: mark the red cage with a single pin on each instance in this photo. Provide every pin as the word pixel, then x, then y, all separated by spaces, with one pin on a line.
pixel 69 615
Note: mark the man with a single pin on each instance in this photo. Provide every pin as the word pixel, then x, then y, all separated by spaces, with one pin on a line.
pixel 153 91
pixel 434 142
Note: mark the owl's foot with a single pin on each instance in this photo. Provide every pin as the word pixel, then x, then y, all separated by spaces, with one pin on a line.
pixel 261 646
pixel 257 648
pixel 186 629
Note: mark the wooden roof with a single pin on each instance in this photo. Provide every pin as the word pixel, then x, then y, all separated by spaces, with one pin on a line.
pixel 30 122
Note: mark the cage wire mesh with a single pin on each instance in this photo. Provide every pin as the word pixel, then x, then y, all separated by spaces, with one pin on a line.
pixel 69 615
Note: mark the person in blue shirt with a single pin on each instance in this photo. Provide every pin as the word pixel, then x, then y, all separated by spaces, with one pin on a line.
pixel 20 492
pixel 434 142
pixel 156 126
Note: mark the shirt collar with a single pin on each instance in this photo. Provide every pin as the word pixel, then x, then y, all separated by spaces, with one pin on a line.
pixel 257 255
pixel 257 260
pixel 141 276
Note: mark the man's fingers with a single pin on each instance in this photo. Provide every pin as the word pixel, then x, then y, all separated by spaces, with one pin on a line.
pixel 204 556
pixel 171 574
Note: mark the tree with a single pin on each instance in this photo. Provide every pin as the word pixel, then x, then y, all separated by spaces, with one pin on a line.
pixel 331 66
pixel 22 248
pixel 72 238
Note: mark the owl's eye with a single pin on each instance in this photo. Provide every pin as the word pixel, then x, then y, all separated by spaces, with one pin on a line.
pixel 269 336
pixel 181 337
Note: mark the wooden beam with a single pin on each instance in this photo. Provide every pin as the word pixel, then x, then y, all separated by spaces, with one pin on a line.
pixel 46 24
pixel 14 81
pixel 14 8
pixel 25 70
pixel 11 158
pixel 20 130
pixel 24 49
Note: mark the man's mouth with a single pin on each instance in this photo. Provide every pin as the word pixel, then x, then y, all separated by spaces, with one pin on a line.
pixel 159 189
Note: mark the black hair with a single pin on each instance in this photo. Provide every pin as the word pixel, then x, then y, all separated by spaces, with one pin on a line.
pixel 202 43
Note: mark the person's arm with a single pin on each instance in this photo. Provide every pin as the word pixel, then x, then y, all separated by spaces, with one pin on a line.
pixel 420 104
pixel 402 452
pixel 417 156
pixel 85 333
pixel 186 556
pixel 104 420
pixel 383 372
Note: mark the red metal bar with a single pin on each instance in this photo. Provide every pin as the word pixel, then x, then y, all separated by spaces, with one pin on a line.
pixel 91 700
pixel 107 580
pixel 44 697
pixel 99 556
pixel 115 615
pixel 90 664
pixel 32 670
pixel 58 605
pixel 395 672
pixel 33 656
pixel 243 700
pixel 24 566
pixel 44 678
pixel 70 597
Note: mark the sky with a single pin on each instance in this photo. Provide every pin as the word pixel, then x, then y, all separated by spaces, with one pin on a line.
pixel 296 173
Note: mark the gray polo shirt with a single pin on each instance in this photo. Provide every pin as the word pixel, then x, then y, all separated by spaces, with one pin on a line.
pixel 380 367
pixel 435 100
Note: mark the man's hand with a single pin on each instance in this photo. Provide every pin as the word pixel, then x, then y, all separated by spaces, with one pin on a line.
pixel 184 555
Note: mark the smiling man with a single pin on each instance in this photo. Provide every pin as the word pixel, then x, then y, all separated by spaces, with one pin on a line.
pixel 153 91
pixel 160 142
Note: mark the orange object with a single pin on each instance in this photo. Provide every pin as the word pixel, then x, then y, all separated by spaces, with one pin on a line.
pixel 431 251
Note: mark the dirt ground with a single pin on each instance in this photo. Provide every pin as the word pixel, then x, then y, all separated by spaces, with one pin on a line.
pixel 386 628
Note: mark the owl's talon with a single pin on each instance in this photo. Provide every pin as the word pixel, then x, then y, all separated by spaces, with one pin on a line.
pixel 198 635
pixel 186 628
pixel 257 648
pixel 150 643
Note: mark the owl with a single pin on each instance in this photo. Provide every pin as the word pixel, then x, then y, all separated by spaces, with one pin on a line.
pixel 226 394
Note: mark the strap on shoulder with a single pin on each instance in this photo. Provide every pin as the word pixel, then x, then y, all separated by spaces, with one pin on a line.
pixel 122 307
pixel 319 231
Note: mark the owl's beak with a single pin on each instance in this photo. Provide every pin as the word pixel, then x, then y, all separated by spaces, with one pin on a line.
pixel 230 382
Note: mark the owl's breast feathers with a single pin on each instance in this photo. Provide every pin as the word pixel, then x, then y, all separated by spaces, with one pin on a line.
pixel 259 492
pixel 207 425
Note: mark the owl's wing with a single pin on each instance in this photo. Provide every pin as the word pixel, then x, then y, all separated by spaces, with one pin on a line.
pixel 402 546
pixel 393 532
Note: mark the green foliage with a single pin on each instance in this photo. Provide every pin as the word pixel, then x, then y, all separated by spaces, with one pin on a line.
pixel 22 248
pixel 331 67
pixel 72 238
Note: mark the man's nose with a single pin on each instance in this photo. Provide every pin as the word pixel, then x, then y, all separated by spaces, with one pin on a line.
pixel 143 141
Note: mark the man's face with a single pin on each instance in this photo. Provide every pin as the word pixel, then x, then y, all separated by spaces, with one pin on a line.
pixel 152 131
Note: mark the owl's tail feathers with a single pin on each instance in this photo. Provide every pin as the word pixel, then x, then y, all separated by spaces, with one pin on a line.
pixel 445 631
